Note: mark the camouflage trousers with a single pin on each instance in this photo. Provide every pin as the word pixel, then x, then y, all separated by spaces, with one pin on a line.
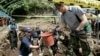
pixel 80 45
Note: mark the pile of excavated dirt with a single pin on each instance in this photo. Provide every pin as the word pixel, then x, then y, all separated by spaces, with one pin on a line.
pixel 45 24
pixel 4 43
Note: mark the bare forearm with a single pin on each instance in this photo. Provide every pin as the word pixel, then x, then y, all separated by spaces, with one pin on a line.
pixel 83 22
pixel 31 46
pixel 81 26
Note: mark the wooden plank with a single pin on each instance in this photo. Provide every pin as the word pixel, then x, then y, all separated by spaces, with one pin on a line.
pixel 27 16
pixel 3 16
pixel 33 16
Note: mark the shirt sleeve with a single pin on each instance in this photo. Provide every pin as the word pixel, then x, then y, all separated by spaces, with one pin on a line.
pixel 9 27
pixel 79 12
pixel 26 42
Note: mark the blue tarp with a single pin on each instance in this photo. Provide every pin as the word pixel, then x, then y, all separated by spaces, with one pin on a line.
pixel 3 14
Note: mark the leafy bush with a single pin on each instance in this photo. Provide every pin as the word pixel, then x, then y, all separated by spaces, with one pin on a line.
pixel 35 6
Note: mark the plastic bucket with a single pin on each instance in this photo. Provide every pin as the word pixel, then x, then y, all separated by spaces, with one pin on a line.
pixel 48 38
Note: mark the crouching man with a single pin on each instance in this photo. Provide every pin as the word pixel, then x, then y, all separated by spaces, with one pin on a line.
pixel 26 43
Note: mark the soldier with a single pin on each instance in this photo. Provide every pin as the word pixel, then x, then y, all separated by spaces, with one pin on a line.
pixel 13 27
pixel 92 19
pixel 26 43
pixel 75 18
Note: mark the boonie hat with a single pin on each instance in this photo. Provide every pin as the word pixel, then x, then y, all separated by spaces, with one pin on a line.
pixel 27 29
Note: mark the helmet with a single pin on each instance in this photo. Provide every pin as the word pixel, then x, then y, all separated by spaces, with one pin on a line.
pixel 27 29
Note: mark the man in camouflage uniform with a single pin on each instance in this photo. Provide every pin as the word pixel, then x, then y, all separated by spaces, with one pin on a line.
pixel 75 18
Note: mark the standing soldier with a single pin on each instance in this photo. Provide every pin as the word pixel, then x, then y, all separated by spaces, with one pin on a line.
pixel 75 18
pixel 13 27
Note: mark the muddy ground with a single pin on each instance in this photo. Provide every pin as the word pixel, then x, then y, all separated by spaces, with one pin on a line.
pixel 43 23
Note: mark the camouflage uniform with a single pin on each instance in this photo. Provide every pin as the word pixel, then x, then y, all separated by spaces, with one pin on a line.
pixel 80 42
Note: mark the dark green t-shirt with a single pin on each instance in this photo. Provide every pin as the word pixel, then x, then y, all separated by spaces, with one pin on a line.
pixel 87 27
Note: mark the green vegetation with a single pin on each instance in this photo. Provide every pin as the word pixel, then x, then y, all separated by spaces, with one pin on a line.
pixel 27 6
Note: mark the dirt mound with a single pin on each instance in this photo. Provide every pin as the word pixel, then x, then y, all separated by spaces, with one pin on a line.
pixel 43 24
